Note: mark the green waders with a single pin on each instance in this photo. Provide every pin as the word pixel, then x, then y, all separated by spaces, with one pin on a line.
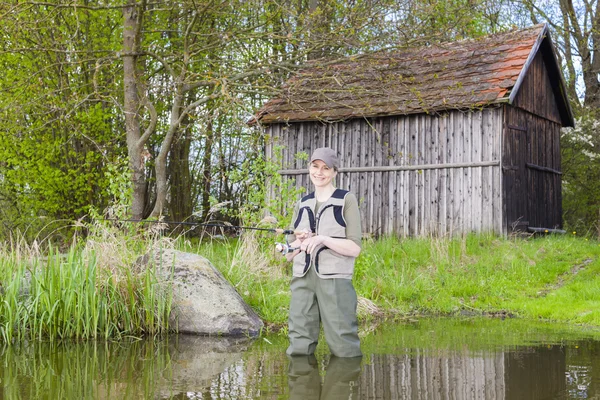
pixel 330 301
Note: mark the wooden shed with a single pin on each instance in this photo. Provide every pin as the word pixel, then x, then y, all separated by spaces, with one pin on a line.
pixel 446 139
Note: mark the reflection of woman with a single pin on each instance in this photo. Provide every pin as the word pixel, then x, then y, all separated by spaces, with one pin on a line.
pixel 341 376
pixel 321 286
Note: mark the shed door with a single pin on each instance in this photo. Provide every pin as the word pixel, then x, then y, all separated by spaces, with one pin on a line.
pixel 515 177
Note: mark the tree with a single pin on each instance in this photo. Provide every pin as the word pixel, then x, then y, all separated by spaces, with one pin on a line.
pixel 133 98
pixel 58 127
pixel 576 25
pixel 581 169
pixel 171 86
pixel 209 59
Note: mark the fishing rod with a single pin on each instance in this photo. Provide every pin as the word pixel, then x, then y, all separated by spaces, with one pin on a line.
pixel 209 225
pixel 280 247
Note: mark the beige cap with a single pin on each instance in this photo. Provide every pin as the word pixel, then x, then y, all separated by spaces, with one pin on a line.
pixel 327 155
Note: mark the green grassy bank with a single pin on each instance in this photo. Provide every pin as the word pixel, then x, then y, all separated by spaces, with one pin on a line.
pixel 550 277
pixel 95 289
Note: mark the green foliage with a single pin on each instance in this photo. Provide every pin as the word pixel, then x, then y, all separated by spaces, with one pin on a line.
pixel 57 126
pixel 266 191
pixel 581 174
pixel 432 21
pixel 118 177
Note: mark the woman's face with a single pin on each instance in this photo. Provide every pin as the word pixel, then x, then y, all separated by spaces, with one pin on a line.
pixel 320 174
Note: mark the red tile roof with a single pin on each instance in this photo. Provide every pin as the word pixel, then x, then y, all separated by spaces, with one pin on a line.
pixel 463 74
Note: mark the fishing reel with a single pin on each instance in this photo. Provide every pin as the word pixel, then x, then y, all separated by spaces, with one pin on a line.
pixel 285 248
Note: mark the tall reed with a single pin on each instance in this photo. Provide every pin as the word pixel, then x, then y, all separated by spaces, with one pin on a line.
pixel 78 294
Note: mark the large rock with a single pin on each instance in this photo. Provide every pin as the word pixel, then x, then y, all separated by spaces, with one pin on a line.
pixel 204 303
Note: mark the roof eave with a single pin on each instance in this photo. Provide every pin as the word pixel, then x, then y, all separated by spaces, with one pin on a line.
pixel 528 62
pixel 568 119
pixel 265 120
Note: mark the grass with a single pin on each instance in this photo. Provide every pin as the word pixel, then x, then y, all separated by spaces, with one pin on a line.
pixel 91 290
pixel 483 274
pixel 95 289
pixel 543 278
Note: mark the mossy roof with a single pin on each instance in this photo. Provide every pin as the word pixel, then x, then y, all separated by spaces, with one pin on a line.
pixel 456 75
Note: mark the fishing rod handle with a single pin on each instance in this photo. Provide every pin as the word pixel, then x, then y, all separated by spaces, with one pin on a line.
pixel 288 232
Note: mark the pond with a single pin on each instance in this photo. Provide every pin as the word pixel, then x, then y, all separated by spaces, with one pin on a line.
pixel 451 358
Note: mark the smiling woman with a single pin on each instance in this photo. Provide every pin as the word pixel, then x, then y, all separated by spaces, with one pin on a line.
pixel 327 246
pixel 321 176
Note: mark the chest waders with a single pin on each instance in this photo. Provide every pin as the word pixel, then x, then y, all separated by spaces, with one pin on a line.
pixel 322 290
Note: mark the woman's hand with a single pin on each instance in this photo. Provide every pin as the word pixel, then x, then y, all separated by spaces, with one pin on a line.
pixel 303 234
pixel 295 244
pixel 309 244
pixel 345 247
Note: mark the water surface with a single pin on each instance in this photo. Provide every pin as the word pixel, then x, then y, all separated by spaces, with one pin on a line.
pixel 424 359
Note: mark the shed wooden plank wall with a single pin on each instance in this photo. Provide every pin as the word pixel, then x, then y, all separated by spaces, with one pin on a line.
pixel 532 171
pixel 535 94
pixel 532 154
pixel 413 175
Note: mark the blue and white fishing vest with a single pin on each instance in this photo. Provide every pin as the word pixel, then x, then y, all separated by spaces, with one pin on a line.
pixel 329 221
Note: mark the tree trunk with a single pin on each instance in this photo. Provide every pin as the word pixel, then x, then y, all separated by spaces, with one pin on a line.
pixel 207 168
pixel 131 40
pixel 582 37
pixel 165 147
pixel 180 204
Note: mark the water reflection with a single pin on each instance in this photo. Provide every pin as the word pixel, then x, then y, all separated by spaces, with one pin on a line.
pixel 340 380
pixel 126 370
pixel 435 359
pixel 532 373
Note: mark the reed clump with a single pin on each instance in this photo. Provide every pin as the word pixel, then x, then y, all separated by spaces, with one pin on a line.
pixel 93 289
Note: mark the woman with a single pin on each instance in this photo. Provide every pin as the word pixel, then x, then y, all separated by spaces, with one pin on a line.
pixel 330 240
